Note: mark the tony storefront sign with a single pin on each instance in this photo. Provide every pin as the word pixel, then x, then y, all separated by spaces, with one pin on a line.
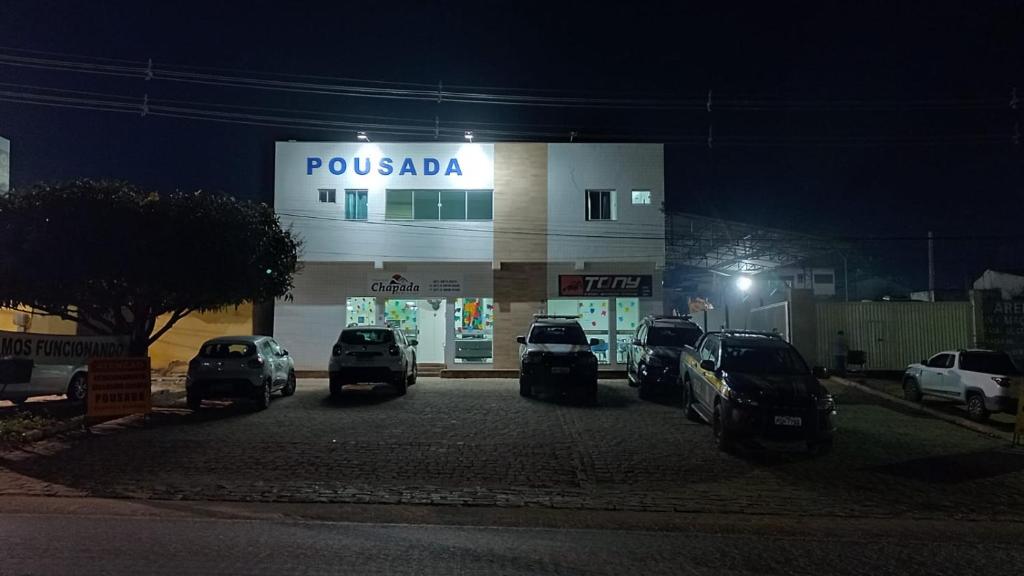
pixel 605 285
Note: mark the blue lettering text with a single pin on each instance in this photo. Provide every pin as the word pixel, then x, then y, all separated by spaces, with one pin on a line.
pixel 355 166
pixel 385 168
pixel 431 166
pixel 336 166
pixel 407 167
pixel 453 168
pixel 312 163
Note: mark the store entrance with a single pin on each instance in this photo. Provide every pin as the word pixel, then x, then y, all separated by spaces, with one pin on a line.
pixel 423 320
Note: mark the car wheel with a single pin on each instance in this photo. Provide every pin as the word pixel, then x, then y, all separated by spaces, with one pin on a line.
pixel 643 390
pixel 194 401
pixel 412 376
pixel 525 388
pixel 976 407
pixel 691 412
pixel 78 388
pixel 911 391
pixel 335 390
pixel 723 439
pixel 400 385
pixel 289 387
pixel 18 401
pixel 263 396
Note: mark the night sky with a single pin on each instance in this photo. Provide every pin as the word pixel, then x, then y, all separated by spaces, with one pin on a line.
pixel 896 172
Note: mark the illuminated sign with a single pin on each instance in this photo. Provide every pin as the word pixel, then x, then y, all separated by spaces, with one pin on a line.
pixel 588 285
pixel 385 166
pixel 118 387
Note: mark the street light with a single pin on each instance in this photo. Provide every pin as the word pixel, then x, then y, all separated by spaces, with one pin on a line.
pixel 468 135
pixel 362 137
pixel 744 283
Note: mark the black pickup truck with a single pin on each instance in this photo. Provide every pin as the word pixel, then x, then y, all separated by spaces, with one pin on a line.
pixel 753 384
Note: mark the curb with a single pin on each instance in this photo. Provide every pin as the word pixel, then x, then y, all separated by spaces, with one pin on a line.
pixel 60 428
pixel 962 422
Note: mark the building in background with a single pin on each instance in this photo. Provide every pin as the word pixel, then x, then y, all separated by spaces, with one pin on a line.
pixel 5 165
pixel 460 245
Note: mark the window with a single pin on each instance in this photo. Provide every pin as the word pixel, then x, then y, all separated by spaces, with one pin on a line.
pixel 998 363
pixel 439 205
pixel 673 336
pixel 641 196
pixel 941 361
pixel 601 205
pixel 355 204
pixel 557 334
pixel 787 280
pixel 800 279
pixel 824 279
pixel 228 350
pixel 762 359
pixel 453 205
pixel 425 204
pixel 398 205
pixel 363 337
pixel 327 195
pixel 479 205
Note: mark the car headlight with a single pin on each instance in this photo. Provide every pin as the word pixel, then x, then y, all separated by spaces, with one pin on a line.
pixel 739 398
pixel 532 357
pixel 826 402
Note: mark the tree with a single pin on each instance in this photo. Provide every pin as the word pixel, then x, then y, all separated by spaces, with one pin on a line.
pixel 114 257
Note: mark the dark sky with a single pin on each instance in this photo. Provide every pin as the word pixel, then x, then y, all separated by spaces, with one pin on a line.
pixel 789 52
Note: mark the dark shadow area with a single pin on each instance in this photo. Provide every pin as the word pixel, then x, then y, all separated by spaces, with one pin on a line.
pixel 379 394
pixel 957 468
pixel 56 409
pixel 607 397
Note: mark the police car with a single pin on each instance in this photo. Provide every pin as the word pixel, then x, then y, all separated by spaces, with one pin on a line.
pixel 556 354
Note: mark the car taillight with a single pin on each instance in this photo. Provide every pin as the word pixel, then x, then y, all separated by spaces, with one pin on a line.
pixel 1002 381
pixel 256 362
pixel 336 351
pixel 393 350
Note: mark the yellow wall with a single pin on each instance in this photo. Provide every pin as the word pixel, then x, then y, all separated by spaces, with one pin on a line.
pixel 40 324
pixel 182 342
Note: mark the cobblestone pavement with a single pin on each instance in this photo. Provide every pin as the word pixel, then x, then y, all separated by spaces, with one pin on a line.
pixel 476 442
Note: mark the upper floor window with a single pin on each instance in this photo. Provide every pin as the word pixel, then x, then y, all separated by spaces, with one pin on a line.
pixel 641 196
pixel 439 205
pixel 328 195
pixel 824 279
pixel 601 205
pixel 355 204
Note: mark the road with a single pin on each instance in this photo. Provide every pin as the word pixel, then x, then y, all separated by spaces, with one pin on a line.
pixel 476 443
pixel 58 543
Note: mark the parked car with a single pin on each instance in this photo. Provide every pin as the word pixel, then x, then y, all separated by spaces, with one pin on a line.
pixel 369 354
pixel 985 380
pixel 24 379
pixel 756 385
pixel 652 360
pixel 252 367
pixel 555 353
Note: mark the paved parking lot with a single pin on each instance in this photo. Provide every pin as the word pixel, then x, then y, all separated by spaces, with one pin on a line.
pixel 476 442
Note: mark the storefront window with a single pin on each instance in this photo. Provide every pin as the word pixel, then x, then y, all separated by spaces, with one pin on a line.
pixel 627 316
pixel 479 205
pixel 425 204
pixel 593 317
pixel 398 205
pixel 361 311
pixel 453 205
pixel 474 330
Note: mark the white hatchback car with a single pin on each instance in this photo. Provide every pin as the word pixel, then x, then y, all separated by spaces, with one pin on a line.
pixel 369 354
pixel 985 380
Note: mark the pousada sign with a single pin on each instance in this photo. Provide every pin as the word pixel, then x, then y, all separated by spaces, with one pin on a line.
pixel 384 166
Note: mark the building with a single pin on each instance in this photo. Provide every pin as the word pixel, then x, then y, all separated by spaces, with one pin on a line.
pixel 460 244
pixel 5 165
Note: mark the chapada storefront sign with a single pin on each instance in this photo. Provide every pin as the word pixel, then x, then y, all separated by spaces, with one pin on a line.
pixel 403 285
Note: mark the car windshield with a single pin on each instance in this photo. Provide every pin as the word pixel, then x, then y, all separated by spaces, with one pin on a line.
pixel 988 363
pixel 762 359
pixel 673 336
pixel 227 350
pixel 568 334
pixel 364 337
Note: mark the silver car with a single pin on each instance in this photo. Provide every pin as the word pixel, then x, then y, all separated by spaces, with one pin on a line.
pixel 251 367
pixel 368 354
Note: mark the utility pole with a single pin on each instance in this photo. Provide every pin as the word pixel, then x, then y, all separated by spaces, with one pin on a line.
pixel 931 267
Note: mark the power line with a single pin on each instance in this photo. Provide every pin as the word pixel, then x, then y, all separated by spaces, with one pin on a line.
pixel 421 92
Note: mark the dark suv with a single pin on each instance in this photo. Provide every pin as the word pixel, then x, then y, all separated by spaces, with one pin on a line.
pixel 752 384
pixel 652 361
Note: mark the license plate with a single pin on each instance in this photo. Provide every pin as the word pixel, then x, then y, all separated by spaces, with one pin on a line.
pixel 788 421
pixel 358 387
pixel 559 369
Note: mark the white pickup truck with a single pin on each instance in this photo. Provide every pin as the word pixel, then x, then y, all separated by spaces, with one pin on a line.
pixel 985 380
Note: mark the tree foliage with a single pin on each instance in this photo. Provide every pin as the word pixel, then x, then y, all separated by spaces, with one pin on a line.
pixel 115 257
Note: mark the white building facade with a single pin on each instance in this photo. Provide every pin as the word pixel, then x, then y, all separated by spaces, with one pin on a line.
pixel 460 244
